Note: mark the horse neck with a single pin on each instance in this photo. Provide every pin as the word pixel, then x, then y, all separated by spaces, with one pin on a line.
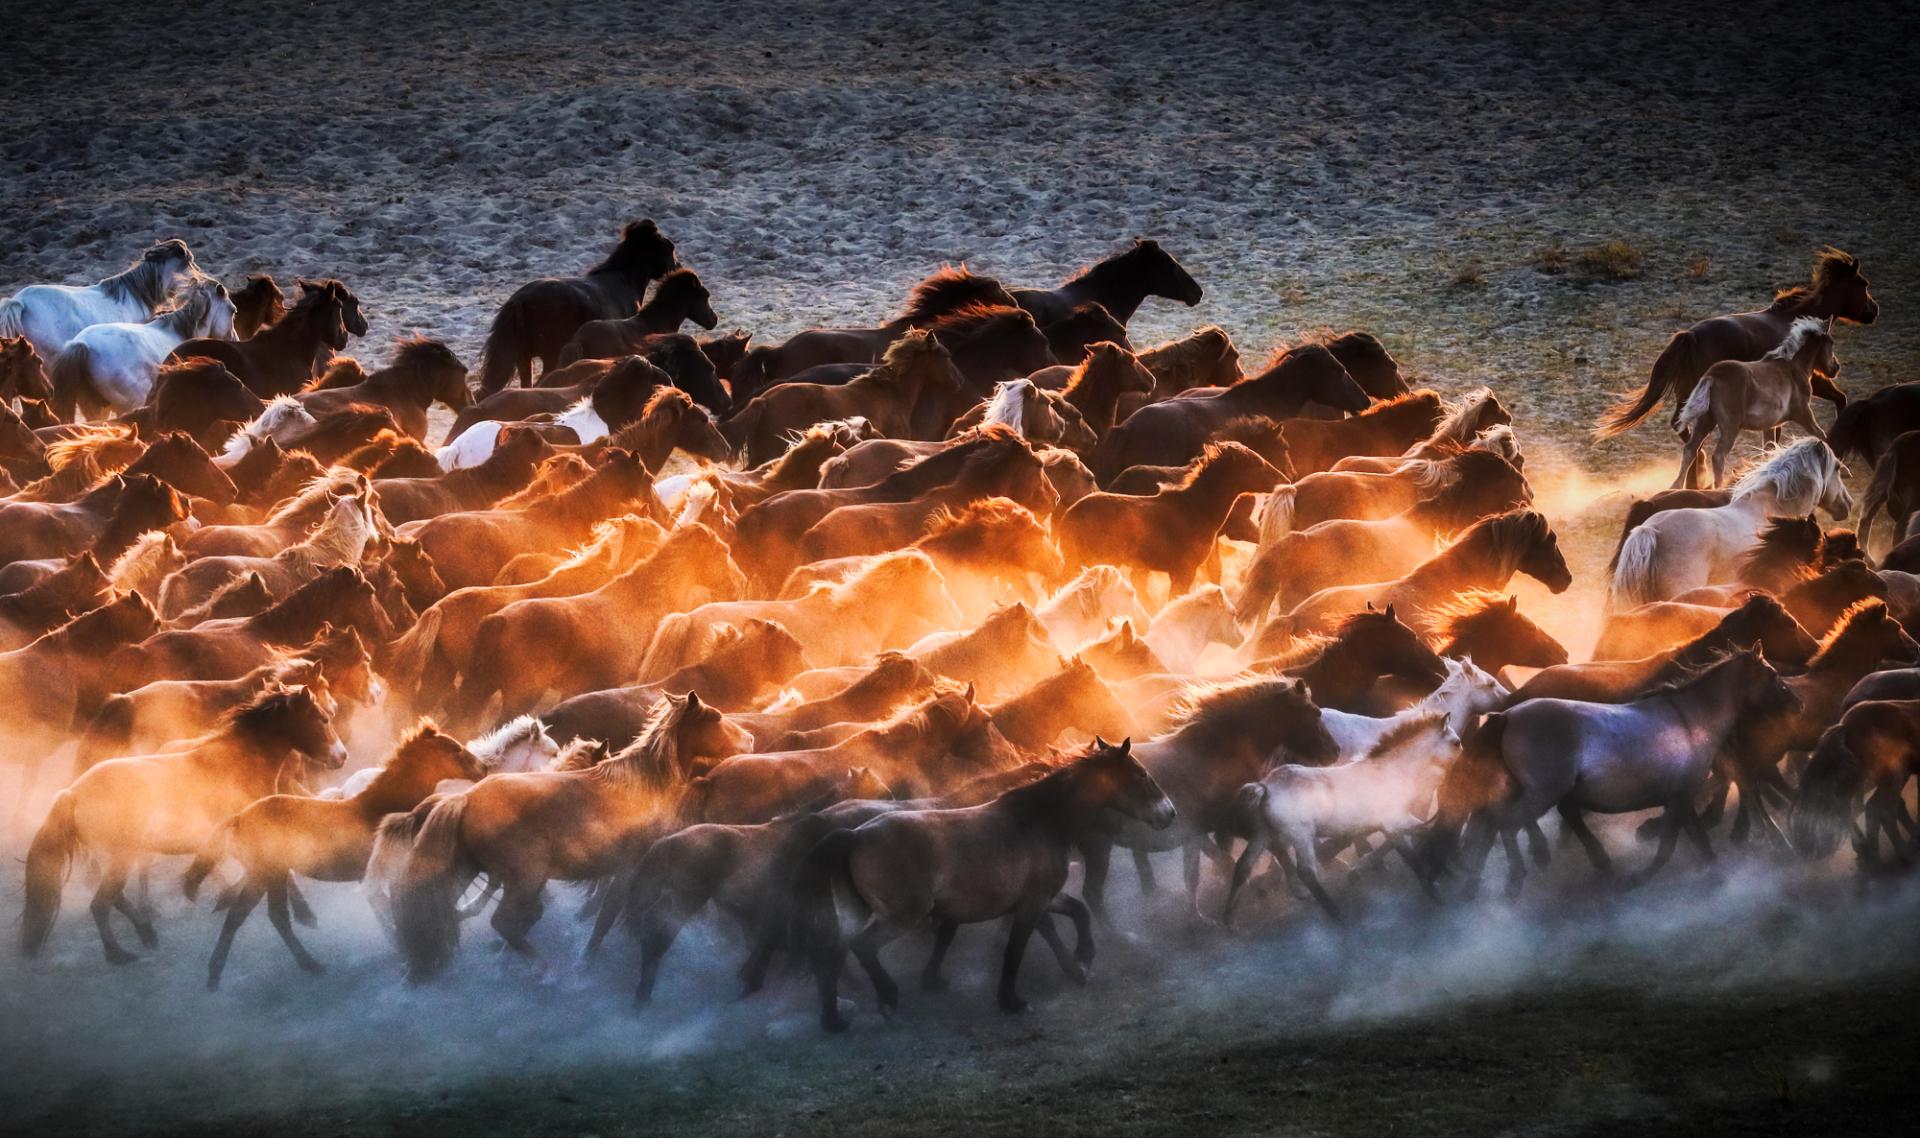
pixel 1848 654
pixel 1096 397
pixel 653 439
pixel 1206 496
pixel 119 536
pixel 407 387
pixel 1115 288
pixel 1708 699
pixel 142 283
pixel 396 788
pixel 254 760
pixel 1052 700
pixel 1465 565
pixel 1338 673
pixel 295 620
pixel 1047 806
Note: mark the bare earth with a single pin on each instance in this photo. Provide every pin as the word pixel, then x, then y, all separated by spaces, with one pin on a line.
pixel 1399 167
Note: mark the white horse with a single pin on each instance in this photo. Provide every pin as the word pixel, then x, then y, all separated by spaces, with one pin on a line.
pixel 281 419
pixel 1293 809
pixel 1677 550
pixel 1467 693
pixel 51 315
pixel 1078 612
pixel 1182 630
pixel 115 364
pixel 478 441
pixel 515 747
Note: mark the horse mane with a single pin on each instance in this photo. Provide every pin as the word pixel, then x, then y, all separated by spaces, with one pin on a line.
pixel 948 288
pixel 95 451
pixel 616 260
pixel 147 547
pixel 1799 334
pixel 1783 545
pixel 280 410
pixel 337 480
pixel 490 747
pixel 980 520
pixel 970 322
pixel 142 280
pixel 681 284
pixel 1506 535
pixel 556 475
pixel 1208 342
pixel 1216 454
pixel 1077 378
pixel 1423 400
pixel 578 755
pixel 908 351
pixel 266 708
pixel 1207 704
pixel 1469 613
pixel 341 371
pixel 1458 418
pixel 1830 267
pixel 1008 405
pixel 940 467
pixel 1862 611
pixel 1795 473
pixel 656 403
pixel 652 760
pixel 1139 250
pixel 1404 730
pixel 1685 675
pixel 879 571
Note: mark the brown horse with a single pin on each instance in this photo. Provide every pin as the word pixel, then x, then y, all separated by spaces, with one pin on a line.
pixel 1005 652
pixel 423 372
pixel 954 867
pixel 77 587
pixel 1895 487
pixel 1656 628
pixel 256 304
pixel 1861 763
pixel 319 838
pixel 391 454
pixel 1366 496
pixel 1485 556
pixel 340 539
pixel 1173 432
pixel 284 356
pixel 1491 631
pixel 671 421
pixel 469 547
pixel 894 679
pixel 947 290
pixel 507 471
pixel 1074 698
pixel 23 454
pixel 618 391
pixel 125 810
pixel 1838 291
pixel 989 344
pixel 594 640
pixel 1387 428
pixel 1098 384
pixel 681 358
pixel 1171 531
pixel 1118 284
pixel 22 373
pixel 146 719
pixel 539 318
pixel 1758 395
pixel 107 520
pixel 916 368
pixel 1343 667
pixel 1122 655
pixel 678 298
pixel 523 830
pixel 1088 324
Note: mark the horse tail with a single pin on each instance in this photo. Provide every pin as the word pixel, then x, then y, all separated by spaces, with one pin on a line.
pixel 1848 435
pixel 1674 369
pixel 1276 521
pixel 107 735
pixel 752 374
pixel 1875 499
pixel 1821 811
pixel 13 317
pixel 502 354
pixel 668 650
pixel 1695 410
pixel 392 842
pixel 1250 807
pixel 48 859
pixel 72 377
pixel 409 656
pixel 208 857
pixel 1633 576
pixel 1476 780
pixel 426 895
pixel 816 922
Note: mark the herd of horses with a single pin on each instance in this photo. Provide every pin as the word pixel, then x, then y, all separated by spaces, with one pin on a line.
pixel 879 631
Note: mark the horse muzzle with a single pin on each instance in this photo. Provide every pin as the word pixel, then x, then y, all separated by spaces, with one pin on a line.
pixel 1162 814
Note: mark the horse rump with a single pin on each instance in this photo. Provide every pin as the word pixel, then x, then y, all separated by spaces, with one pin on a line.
pixel 48 858
pixel 426 892
pixel 1674 369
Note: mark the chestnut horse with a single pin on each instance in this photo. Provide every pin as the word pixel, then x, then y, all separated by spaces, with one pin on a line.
pixel 678 298
pixel 423 372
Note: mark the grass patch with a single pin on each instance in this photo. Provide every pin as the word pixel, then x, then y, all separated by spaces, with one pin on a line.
pixel 1614 260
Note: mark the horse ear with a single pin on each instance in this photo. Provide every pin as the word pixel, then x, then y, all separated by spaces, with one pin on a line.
pixel 693 701
pixel 1126 746
pixel 1389 611
pixel 1100 744
pixel 1513 604
pixel 1370 606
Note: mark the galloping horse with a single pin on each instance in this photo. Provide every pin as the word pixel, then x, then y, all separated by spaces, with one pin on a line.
pixel 51 315
pixel 1737 396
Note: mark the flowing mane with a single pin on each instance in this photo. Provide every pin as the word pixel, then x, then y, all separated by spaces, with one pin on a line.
pixel 145 281
pixel 1469 613
pixel 1008 406
pixel 491 749
pixel 1851 623
pixel 1460 420
pixel 1233 706
pixel 1796 474
pixel 1798 336
pixel 652 761
pixel 948 288
pixel 1405 730
pixel 1830 266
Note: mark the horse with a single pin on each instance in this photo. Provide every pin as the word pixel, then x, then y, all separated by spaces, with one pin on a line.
pixel 1074 698
pixel 1183 629
pixel 1786 553
pixel 915 368
pixel 951 288
pixel 391 454
pixel 989 344
pixel 22 373
pixel 284 356
pixel 1837 291
pixel 125 810
pixel 49 316
pixel 1123 654
pixel 539 318
pixel 256 303
pixel 1485 556
pixel 1205 357
pixel 1343 666
pixel 1868 426
pixel 1387 428
pixel 1861 763
pixel 423 372
pixel 1099 383
pixel 678 298
pixel 618 389
pixel 23 454
pixel 1088 324
pixel 280 835
pixel 290 518
pixel 77 587
pixel 107 519
pixel 1007 857
pixel 1894 487
pixel 1760 620
pixel 114 365
pixel 505 472
pixel 1681 549
pixel 1642 632
pixel 281 421
pixel 679 357
pixel 1010 648
pixel 148 718
pixel 894 679
pixel 1297 809
pixel 1735 396
pixel 523 830
pixel 1172 531
pixel 1119 284
pixel 1078 611
pixel 1223 738
pixel 1652 752
pixel 1476 421
pixel 1030 412
pixel 597 639
pixel 200 397
pixel 1172 432
pixel 341 539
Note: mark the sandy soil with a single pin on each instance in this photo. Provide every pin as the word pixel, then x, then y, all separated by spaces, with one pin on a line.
pixel 1398 167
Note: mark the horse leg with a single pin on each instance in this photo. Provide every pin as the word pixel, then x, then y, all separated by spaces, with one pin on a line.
pixel 1243 869
pixel 280 913
pixel 302 912
pixel 1576 825
pixel 1306 866
pixel 829 953
pixel 930 978
pixel 1516 862
pixel 658 928
pixel 1190 864
pixel 1143 865
pixel 140 916
pixel 1669 837
pixel 1690 458
pixel 246 895
pixel 1017 936
pixel 866 945
pixel 1405 849
pixel 1722 451
pixel 519 910
pixel 1075 910
pixel 1538 845
pixel 1098 858
pixel 105 897
pixel 1696 833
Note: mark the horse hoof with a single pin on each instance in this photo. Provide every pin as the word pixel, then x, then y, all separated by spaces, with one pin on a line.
pixel 1078 975
pixel 313 968
pixel 148 936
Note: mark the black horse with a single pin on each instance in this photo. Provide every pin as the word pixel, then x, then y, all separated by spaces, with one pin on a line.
pixel 541 316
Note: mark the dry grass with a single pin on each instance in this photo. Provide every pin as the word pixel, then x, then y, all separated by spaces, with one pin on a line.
pixel 1614 260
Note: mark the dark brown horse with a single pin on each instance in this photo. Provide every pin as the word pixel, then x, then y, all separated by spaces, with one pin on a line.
pixel 1861 764
pixel 947 290
pixel 76 587
pixel 422 373
pixel 539 318
pixel 22 373
pixel 200 397
pixel 1109 373
pixel 1895 487
pixel 1173 432
pixel 1118 284
pixel 620 389
pixel 1342 667
pixel 989 344
pixel 1383 429
pixel 953 867
pixel 1070 339
pixel 284 356
pixel 1838 291
pixel 678 298
pixel 916 369
pixel 256 304
pixel 506 471
pixel 107 519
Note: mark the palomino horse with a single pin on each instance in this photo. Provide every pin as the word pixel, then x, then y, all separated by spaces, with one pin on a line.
pixel 540 317
pixel 679 297
pixel 323 839
pixel 1677 550
pixel 1008 857
pixel 1735 396
pixel 1118 284
pixel 1838 291
pixel 126 810
pixel 916 368
pixel 523 830
pixel 114 365
pixel 1653 752
pixel 51 315
pixel 286 355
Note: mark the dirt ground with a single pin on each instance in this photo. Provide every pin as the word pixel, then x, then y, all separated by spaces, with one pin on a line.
pixel 1454 180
